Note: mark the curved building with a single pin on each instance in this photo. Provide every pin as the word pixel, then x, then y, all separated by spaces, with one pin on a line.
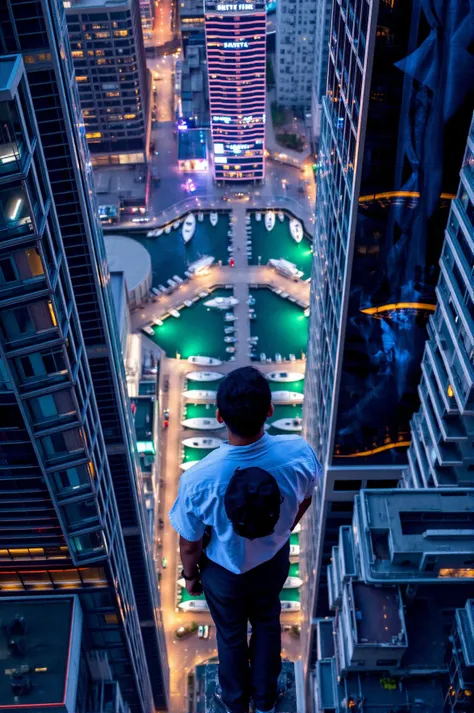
pixel 236 55
pixel 128 256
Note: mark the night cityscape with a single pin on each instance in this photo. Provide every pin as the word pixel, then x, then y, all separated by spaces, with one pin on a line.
pixel 188 187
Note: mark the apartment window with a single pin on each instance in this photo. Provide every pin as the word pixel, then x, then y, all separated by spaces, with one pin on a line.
pixel 52 407
pixel 72 480
pixel 20 266
pixel 42 365
pixel 88 544
pixel 64 443
pixel 349 485
pixel 28 320
pixel 81 514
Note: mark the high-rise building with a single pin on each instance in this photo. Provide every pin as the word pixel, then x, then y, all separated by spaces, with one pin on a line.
pixel 400 636
pixel 146 15
pixel 388 168
pixel 442 450
pixel 321 55
pixel 236 55
pixel 71 491
pixel 294 57
pixel 109 61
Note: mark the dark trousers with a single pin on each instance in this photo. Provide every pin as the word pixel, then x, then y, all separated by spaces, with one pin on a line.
pixel 234 600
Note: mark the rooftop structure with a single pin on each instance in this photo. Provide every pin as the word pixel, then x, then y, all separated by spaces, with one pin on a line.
pixel 294 57
pixel 402 639
pixel 109 60
pixel 192 150
pixel 40 648
pixel 130 257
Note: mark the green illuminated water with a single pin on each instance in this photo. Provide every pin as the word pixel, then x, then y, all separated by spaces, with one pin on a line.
pixel 202 385
pixel 287 386
pixel 294 570
pixel 199 411
pixel 170 255
pixel 290 595
pixel 278 243
pixel 199 331
pixel 195 453
pixel 280 326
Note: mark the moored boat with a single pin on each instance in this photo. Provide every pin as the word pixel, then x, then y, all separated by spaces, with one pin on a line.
pixel 200 395
pixel 287 397
pixel 258 217
pixel 269 220
pixel 292 583
pixel 222 302
pixel 194 605
pixel 189 227
pixel 294 550
pixel 188 464
pixel 204 376
pixel 213 217
pixel 176 224
pixel 281 216
pixel 296 230
pixel 200 216
pixel 286 268
pixel 175 313
pixel 204 442
pixel 201 265
pixel 204 361
pixel 202 424
pixel 168 229
pixel 288 424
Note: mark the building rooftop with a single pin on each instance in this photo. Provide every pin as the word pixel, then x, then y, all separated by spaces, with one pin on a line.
pixel 39 651
pixel 378 614
pixel 192 144
pixel 130 257
pixel 415 534
pixel 374 693
pixel 120 185
pixel 144 409
pixel 91 4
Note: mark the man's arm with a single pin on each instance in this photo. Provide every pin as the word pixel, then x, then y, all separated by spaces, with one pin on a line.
pixel 301 510
pixel 190 555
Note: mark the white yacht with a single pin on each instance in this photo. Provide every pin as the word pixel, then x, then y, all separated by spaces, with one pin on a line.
pixel 229 330
pixel 204 376
pixel 203 442
pixel 200 395
pixel 189 227
pixel 200 216
pixel 176 224
pixel 201 265
pixel 213 218
pixel 258 217
pixel 188 464
pixel 158 322
pixel 222 302
pixel 196 605
pixel 229 317
pixel 281 216
pixel 168 229
pixel 269 220
pixel 148 330
pixel 204 361
pixel 294 550
pixel 288 424
pixel 202 424
pixel 175 313
pixel 230 350
pixel 230 340
pixel 292 583
pixel 155 233
pixel 287 397
pixel 285 605
pixel 286 268
pixel 296 230
pixel 296 529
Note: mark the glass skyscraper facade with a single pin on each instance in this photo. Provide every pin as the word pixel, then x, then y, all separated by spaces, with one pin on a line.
pixel 395 118
pixel 72 506
pixel 236 56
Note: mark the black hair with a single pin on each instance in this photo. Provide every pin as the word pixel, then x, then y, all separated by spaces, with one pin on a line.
pixel 243 400
pixel 252 502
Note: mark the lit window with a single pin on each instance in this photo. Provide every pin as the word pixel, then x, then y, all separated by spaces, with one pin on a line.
pixel 130 116
pixel 81 78
pixel 121 33
pixel 77 53
pixel 102 35
pixel 94 135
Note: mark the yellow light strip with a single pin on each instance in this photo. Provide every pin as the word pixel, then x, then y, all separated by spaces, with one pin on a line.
pixel 380 449
pixel 399 305
pixel 400 194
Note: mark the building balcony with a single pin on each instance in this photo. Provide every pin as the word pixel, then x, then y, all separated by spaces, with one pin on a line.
pixel 370 628
pixel 325 687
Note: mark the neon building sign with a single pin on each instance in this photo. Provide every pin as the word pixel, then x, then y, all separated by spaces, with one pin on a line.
pixel 236 58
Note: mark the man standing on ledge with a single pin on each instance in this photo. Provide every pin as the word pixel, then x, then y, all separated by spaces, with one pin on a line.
pixel 248 495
